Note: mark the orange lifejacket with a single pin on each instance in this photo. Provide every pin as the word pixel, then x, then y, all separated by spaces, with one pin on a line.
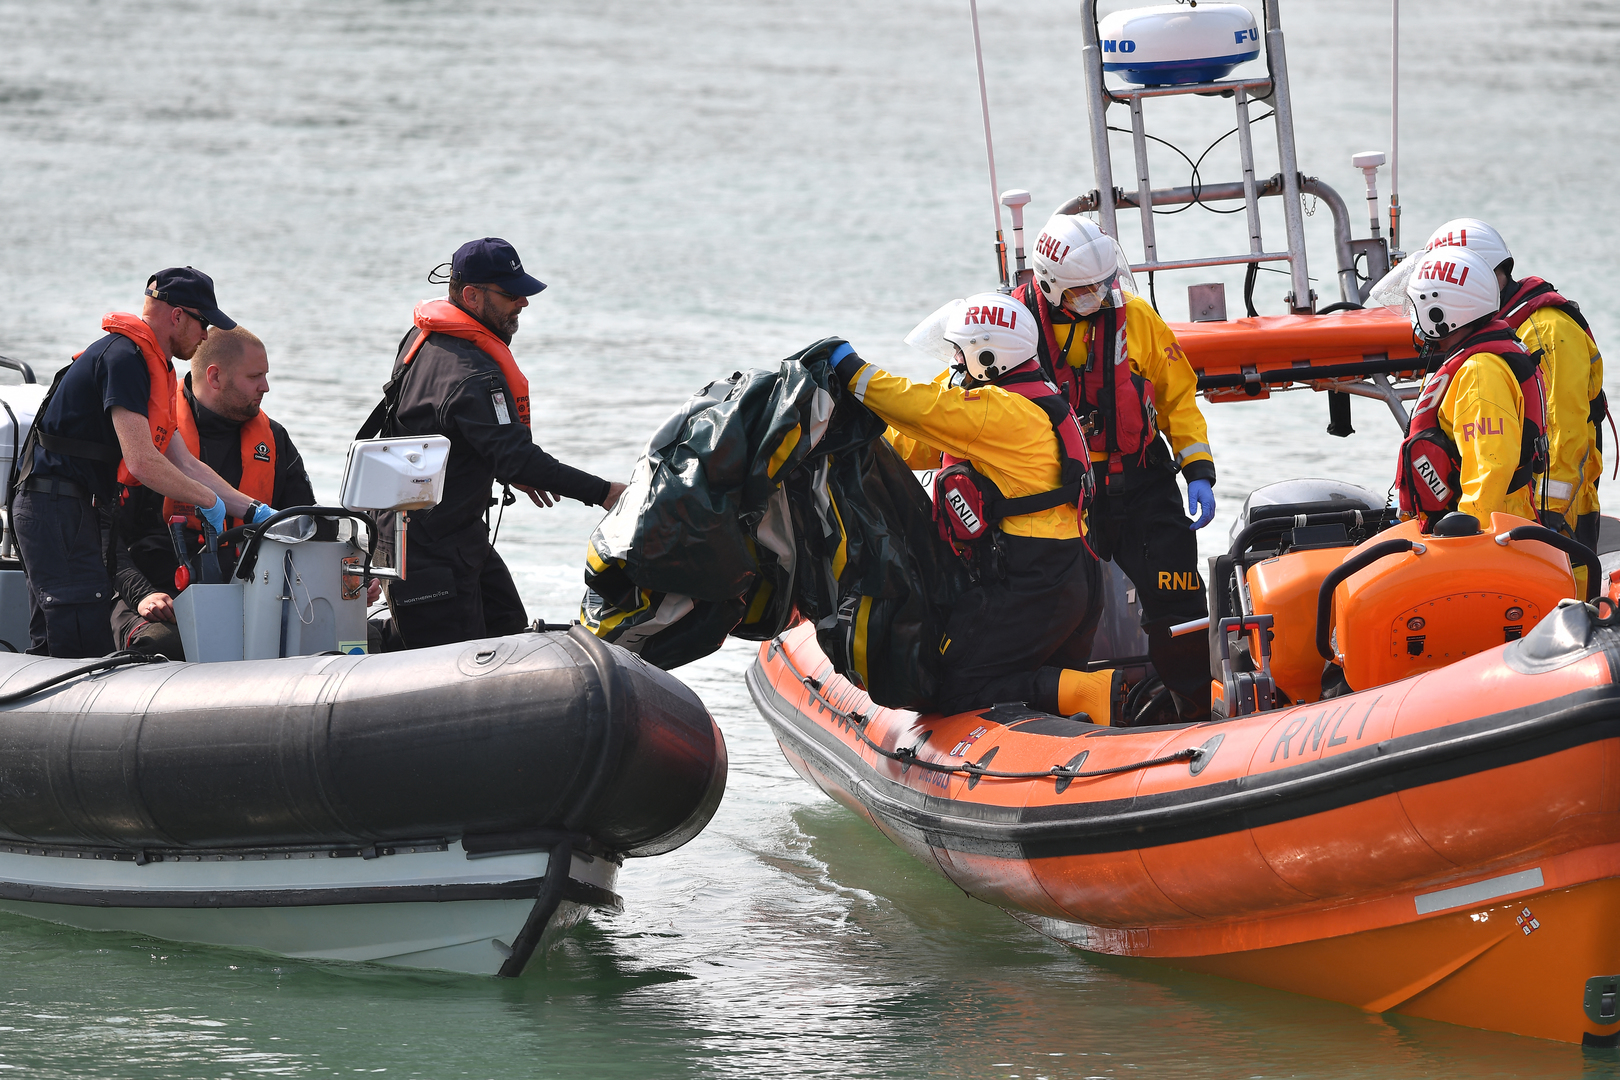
pixel 160 399
pixel 443 317
pixel 258 460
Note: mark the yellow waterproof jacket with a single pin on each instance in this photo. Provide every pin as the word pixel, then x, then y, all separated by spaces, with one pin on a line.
pixel 1156 355
pixel 1573 370
pixel 1483 413
pixel 1004 435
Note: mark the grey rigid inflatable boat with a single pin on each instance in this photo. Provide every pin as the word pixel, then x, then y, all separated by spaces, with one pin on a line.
pixel 448 808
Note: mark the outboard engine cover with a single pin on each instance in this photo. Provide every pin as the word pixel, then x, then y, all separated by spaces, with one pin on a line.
pixel 1305 495
pixel 1173 45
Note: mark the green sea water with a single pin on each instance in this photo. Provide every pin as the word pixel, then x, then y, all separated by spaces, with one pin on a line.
pixel 708 186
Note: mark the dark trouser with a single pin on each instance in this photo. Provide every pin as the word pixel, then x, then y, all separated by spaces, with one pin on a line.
pixel 69 590
pixel 1145 531
pixel 456 588
pixel 1587 527
pixel 1000 635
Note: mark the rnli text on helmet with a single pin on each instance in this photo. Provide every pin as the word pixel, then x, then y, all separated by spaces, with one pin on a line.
pixel 1448 240
pixel 1047 245
pixel 1442 271
pixel 991 316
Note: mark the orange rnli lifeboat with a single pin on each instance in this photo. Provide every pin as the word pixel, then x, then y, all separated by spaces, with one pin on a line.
pixel 1413 803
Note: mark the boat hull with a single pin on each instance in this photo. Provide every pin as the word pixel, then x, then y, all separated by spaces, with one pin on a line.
pixel 1384 859
pixel 452 808
pixel 432 908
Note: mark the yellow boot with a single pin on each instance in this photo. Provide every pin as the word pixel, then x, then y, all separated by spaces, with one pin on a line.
pixel 1094 693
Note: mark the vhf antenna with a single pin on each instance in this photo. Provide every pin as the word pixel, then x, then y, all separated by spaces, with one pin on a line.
pixel 989 150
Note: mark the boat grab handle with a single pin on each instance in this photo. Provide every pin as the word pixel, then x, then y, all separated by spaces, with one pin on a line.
pixel 1324 598
pixel 250 553
pixel 1569 546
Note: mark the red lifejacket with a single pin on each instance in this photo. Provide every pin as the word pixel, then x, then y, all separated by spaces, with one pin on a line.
pixel 160 398
pixel 443 317
pixel 258 460
pixel 1531 295
pixel 1429 476
pixel 1116 402
pixel 967 504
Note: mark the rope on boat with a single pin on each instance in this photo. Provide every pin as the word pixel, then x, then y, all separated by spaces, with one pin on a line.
pixel 908 754
pixel 104 663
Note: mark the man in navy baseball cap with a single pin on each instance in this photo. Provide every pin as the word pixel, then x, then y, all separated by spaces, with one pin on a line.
pixel 455 375
pixel 492 261
pixel 187 289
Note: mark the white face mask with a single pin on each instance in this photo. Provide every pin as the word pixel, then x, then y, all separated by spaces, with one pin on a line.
pixel 1088 299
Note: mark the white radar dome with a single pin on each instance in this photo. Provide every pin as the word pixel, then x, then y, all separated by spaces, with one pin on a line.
pixel 1172 45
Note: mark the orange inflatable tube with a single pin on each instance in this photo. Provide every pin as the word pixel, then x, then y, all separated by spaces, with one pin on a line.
pixel 1446 845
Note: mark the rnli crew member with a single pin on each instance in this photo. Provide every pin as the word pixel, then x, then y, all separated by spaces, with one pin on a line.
pixel 455 376
pixel 1002 634
pixel 1475 436
pixel 217 413
pixel 1132 388
pixel 1554 329
pixel 109 420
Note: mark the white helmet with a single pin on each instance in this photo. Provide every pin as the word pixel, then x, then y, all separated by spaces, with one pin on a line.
pixel 992 333
pixel 1073 254
pixel 1450 287
pixel 1476 236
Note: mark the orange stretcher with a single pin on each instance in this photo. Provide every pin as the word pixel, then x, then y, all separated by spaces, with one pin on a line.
pixel 1243 359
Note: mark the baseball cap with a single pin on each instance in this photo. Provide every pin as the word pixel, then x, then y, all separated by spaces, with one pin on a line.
pixel 492 261
pixel 182 286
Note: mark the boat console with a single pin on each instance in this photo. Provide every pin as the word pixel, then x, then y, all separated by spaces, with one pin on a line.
pixel 1324 593
pixel 299 588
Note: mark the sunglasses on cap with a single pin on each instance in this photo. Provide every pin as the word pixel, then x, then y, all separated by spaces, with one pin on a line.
pixel 157 295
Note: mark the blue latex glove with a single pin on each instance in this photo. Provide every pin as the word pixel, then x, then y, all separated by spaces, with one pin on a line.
pixel 214 515
pixel 1200 502
pixel 845 363
pixel 262 513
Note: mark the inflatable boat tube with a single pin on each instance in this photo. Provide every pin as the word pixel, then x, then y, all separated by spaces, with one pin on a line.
pixel 456 808
pixel 483 742
pixel 1445 846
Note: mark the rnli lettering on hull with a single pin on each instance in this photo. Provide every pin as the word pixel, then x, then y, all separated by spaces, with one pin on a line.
pixel 1319 728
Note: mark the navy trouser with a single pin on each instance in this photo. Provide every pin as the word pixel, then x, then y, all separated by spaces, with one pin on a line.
pixel 1145 531
pixel 70 592
pixel 456 588
pixel 1001 635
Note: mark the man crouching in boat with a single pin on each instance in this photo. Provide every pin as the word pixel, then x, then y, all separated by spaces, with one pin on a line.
pixel 455 376
pixel 108 420
pixel 1475 438
pixel 217 413
pixel 1130 384
pixel 1553 329
pixel 1012 474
